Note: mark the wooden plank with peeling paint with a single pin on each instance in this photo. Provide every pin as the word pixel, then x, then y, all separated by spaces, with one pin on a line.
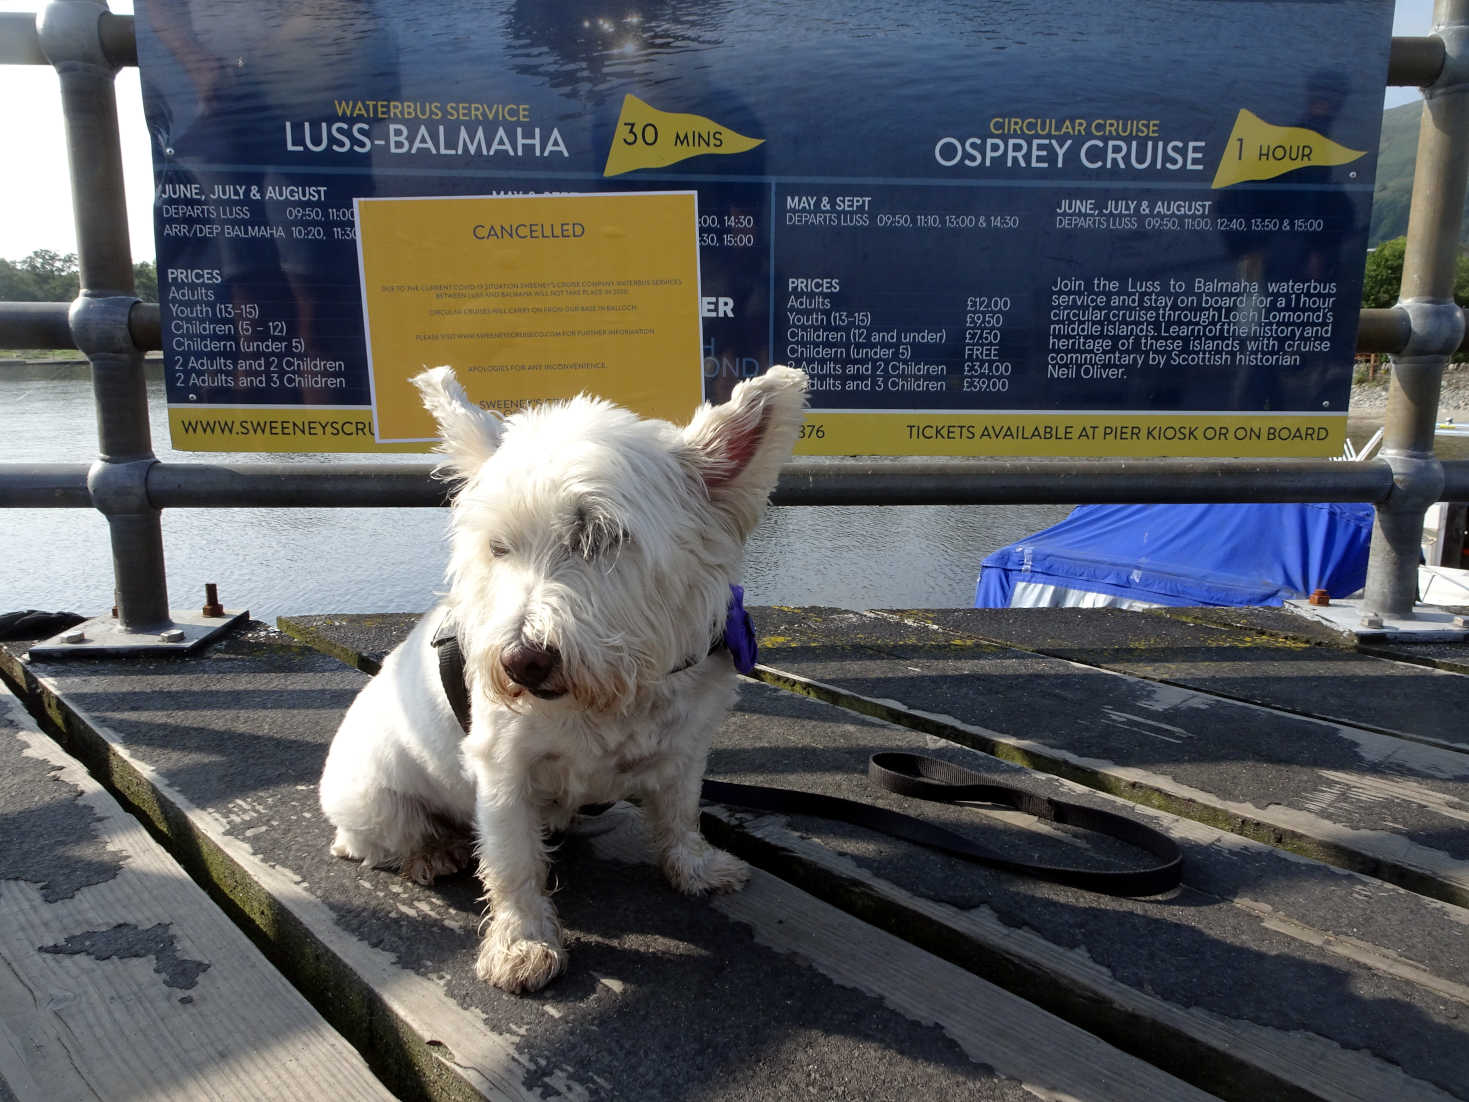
pixel 119 978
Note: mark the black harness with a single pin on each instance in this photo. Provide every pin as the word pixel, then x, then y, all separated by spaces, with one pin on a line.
pixel 451 668
pixel 919 777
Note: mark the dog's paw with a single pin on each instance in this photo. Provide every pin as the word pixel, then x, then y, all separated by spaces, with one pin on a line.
pixel 519 967
pixel 431 864
pixel 697 868
pixel 424 868
pixel 521 953
pixel 353 847
pixel 341 849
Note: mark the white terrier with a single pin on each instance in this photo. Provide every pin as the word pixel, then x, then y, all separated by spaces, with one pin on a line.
pixel 592 557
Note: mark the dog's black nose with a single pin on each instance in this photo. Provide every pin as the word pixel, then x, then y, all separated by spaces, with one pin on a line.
pixel 529 664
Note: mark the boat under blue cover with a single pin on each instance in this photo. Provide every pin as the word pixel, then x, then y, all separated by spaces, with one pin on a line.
pixel 1141 555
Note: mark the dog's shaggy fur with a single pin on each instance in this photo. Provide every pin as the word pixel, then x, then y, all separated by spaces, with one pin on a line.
pixel 591 558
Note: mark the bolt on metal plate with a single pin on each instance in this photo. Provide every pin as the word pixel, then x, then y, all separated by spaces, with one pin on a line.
pixel 104 637
pixel 1428 624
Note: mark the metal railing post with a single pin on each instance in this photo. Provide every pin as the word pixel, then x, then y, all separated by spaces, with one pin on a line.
pixel 1434 218
pixel 71 35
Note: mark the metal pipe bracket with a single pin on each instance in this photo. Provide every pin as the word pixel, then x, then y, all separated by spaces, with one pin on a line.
pixel 100 324
pixel 1454 76
pixel 120 488
pixel 70 33
pixel 1417 482
pixel 1435 327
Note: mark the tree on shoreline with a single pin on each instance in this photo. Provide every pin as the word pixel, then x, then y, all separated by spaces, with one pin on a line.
pixel 47 276
pixel 1382 279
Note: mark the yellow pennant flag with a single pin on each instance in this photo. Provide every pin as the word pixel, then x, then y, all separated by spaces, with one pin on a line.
pixel 1257 150
pixel 649 138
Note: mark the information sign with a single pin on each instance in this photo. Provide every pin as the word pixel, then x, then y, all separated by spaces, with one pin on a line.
pixel 532 298
pixel 1049 227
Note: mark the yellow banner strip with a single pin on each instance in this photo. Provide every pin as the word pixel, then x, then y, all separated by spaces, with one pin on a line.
pixel 1217 435
pixel 252 429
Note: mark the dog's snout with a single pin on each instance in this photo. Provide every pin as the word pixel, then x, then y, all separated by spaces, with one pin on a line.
pixel 529 664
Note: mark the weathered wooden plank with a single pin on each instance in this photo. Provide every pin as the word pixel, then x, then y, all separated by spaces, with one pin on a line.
pixel 1267 1062
pixel 1288 625
pixel 1274 657
pixel 360 641
pixel 1367 800
pixel 666 997
pixel 1418 944
pixel 1258 978
pixel 1049 1056
pixel 119 978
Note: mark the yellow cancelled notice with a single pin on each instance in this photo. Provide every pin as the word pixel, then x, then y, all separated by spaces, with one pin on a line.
pixel 531 298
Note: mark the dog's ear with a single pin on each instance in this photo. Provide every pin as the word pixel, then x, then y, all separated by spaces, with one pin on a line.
pixel 468 435
pixel 738 447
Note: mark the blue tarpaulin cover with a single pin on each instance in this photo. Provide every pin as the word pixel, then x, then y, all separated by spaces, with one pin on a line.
pixel 1188 554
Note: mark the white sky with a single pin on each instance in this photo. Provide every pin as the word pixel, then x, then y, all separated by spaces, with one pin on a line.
pixel 35 191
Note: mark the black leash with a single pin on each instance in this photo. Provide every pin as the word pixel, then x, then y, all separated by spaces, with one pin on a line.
pixel 925 778
pixel 922 778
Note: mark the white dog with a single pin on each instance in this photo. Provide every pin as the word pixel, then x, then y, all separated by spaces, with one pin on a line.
pixel 592 555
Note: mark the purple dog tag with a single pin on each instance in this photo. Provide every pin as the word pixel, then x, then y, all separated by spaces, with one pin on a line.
pixel 739 632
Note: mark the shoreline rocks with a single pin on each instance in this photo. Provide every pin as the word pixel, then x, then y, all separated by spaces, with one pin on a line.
pixel 1369 399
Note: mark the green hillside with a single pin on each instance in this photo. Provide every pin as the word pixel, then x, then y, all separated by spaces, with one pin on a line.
pixel 1395 155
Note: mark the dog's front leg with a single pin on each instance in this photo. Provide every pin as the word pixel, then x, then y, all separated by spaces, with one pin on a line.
pixel 692 865
pixel 521 950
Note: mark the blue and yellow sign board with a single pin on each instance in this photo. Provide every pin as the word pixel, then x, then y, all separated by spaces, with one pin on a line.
pixel 979 231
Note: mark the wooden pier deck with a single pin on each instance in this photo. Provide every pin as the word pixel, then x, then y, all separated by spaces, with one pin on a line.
pixel 1318 947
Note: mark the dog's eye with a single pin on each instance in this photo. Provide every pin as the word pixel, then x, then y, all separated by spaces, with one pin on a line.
pixel 595 538
pixel 499 548
pixel 605 541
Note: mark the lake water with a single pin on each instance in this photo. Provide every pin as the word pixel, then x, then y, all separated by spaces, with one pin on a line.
pixel 283 561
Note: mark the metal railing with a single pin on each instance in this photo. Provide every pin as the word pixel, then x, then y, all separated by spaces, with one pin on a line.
pixel 87 44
